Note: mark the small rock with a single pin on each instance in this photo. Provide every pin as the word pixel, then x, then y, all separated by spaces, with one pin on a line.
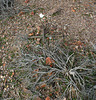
pixel 41 15
pixel 95 87
pixel 47 98
pixel 55 9
pixel 36 97
pixel 65 27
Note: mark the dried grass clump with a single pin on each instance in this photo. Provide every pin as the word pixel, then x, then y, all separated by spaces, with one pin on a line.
pixel 68 75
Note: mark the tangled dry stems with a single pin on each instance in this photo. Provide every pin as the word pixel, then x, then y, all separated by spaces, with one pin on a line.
pixel 69 73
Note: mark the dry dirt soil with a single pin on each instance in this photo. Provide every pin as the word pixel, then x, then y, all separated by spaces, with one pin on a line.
pixel 75 19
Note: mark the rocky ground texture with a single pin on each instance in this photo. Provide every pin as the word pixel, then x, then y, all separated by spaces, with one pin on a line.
pixel 75 20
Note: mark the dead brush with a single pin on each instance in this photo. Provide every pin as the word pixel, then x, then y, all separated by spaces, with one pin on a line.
pixel 66 76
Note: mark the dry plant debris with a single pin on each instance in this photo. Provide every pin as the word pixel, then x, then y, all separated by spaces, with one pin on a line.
pixel 41 23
